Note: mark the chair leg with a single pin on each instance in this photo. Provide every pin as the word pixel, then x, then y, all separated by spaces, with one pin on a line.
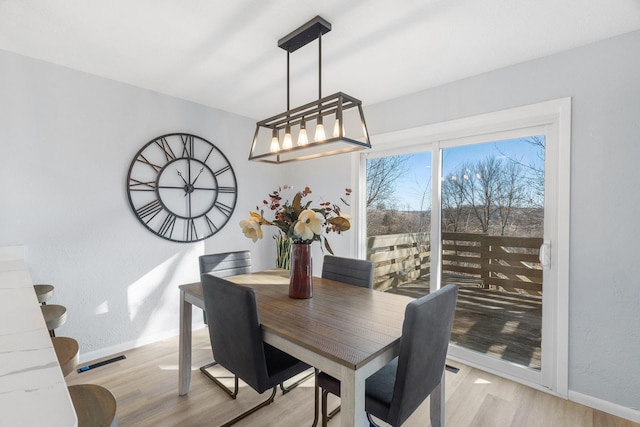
pixel 233 393
pixel 436 402
pixel 288 388
pixel 325 417
pixel 371 422
pixel 333 413
pixel 316 398
pixel 252 410
pixel 325 393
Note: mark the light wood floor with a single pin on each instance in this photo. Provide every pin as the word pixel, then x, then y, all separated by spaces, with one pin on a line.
pixel 146 382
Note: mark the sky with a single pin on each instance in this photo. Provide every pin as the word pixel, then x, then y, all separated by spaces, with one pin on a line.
pixel 414 189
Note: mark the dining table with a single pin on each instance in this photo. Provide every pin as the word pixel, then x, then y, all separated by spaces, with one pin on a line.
pixel 347 331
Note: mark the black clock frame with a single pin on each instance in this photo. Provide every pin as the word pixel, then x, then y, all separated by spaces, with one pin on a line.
pixel 160 217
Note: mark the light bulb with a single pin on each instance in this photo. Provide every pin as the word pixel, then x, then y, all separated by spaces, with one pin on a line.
pixel 320 136
pixel 302 136
pixel 286 143
pixel 275 144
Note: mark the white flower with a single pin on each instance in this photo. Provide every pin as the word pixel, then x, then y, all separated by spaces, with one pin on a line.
pixel 309 224
pixel 251 228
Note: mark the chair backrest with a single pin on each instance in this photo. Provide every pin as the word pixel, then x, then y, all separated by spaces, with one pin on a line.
pixel 234 329
pixel 226 264
pixel 423 350
pixel 348 270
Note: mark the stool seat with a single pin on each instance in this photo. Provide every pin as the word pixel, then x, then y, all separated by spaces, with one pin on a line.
pixel 95 405
pixel 67 351
pixel 54 316
pixel 44 292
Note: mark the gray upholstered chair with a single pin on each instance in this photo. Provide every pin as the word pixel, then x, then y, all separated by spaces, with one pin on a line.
pixel 394 392
pixel 355 272
pixel 226 264
pixel 223 265
pixel 348 270
pixel 237 343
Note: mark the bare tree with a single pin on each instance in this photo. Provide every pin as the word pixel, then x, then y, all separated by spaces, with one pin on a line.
pixel 483 179
pixel 490 190
pixel 510 193
pixel 537 172
pixel 382 174
pixel 453 202
pixel 533 172
pixel 421 220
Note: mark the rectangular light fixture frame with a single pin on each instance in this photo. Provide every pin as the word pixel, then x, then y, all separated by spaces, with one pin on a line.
pixel 334 107
pixel 341 112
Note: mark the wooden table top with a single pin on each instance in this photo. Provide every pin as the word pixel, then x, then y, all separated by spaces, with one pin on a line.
pixel 347 324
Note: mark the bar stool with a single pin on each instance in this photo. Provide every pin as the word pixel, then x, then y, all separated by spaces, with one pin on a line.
pixel 54 316
pixel 95 405
pixel 67 351
pixel 44 293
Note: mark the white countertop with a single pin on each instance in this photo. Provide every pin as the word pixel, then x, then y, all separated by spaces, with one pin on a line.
pixel 32 389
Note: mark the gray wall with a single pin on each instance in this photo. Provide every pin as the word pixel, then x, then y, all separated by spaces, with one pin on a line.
pixel 66 141
pixel 603 81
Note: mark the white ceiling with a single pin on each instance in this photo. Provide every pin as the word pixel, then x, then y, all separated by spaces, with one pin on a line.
pixel 224 54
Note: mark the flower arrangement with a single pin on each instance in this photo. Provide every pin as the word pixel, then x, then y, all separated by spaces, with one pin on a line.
pixel 297 221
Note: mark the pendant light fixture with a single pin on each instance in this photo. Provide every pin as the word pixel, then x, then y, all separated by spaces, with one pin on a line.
pixel 284 138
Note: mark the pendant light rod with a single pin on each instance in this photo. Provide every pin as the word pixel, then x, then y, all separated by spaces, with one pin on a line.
pixel 319 66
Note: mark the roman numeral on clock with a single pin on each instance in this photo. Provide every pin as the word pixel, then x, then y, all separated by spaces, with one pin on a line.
pixel 150 210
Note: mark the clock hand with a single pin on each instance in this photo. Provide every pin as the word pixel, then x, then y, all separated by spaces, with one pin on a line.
pixel 180 175
pixel 186 184
pixel 194 181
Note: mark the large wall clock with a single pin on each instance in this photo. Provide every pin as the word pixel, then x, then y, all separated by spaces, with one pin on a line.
pixel 182 187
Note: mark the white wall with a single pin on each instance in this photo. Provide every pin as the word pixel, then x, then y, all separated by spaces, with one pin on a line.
pixel 66 141
pixel 602 79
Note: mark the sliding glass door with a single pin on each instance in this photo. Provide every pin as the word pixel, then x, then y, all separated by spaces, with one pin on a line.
pixel 492 228
pixel 486 210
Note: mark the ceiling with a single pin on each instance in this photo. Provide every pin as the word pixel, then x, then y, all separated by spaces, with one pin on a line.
pixel 224 54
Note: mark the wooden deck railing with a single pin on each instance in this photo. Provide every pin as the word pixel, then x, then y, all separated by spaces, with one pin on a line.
pixel 508 263
pixel 399 258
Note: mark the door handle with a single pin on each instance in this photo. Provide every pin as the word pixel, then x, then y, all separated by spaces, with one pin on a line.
pixel 545 254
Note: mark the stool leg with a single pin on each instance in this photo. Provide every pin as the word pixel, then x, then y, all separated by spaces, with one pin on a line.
pixel 52 333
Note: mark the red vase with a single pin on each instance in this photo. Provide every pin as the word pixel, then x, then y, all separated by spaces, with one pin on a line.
pixel 301 273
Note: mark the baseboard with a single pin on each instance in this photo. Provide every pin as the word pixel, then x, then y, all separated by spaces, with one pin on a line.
pixel 605 406
pixel 128 345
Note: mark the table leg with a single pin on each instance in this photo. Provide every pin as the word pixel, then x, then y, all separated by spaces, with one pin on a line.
pixel 352 399
pixel 184 351
pixel 436 402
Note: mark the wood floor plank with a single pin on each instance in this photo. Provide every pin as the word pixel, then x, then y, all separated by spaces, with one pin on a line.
pixel 495 411
pixel 145 385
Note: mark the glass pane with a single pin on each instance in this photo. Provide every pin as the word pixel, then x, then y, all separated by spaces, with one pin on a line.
pixel 399 221
pixel 492 227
